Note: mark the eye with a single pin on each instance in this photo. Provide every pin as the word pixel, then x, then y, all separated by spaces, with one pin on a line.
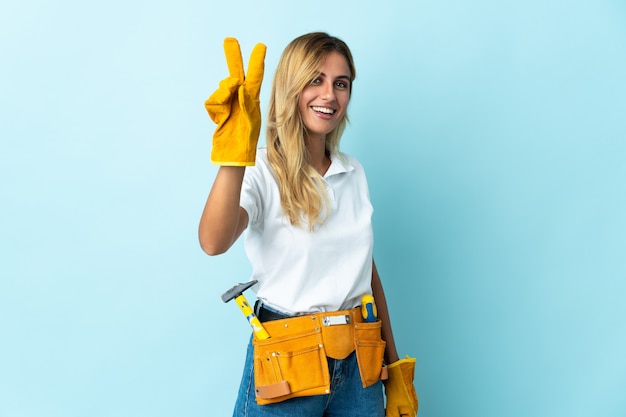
pixel 316 81
pixel 342 84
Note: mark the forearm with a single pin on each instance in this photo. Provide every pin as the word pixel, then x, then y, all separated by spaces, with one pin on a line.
pixel 222 219
pixel 391 353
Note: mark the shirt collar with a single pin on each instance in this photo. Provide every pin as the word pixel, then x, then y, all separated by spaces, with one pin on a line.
pixel 338 165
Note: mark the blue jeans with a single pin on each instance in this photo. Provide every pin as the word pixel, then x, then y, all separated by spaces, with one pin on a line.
pixel 347 396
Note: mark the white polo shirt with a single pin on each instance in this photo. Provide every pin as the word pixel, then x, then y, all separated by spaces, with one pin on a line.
pixel 300 271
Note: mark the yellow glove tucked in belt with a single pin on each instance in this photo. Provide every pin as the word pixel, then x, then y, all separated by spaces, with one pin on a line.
pixel 399 389
pixel 234 106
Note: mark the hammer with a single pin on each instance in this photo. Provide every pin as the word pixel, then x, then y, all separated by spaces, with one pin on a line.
pixel 237 293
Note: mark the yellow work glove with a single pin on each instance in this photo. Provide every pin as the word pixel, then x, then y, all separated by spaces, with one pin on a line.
pixel 234 107
pixel 399 389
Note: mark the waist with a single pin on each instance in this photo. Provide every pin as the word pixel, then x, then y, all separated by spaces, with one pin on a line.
pixel 265 314
pixel 339 332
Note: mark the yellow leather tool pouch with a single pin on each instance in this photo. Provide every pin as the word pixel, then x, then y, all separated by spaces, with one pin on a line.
pixel 338 332
pixel 370 351
pixel 292 362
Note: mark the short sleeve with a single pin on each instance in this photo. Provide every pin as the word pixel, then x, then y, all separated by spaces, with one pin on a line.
pixel 249 200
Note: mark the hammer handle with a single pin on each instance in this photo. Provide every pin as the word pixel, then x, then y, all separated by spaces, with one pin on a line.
pixel 257 327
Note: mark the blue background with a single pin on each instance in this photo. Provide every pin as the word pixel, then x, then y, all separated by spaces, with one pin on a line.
pixel 493 134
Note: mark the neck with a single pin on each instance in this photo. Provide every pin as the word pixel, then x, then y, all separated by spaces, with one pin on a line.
pixel 317 150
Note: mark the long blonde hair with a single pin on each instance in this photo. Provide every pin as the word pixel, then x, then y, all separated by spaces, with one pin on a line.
pixel 302 194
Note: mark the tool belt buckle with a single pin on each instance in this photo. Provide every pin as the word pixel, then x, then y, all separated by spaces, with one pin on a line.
pixel 335 320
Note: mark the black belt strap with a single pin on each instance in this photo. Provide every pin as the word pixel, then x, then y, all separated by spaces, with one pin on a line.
pixel 267 315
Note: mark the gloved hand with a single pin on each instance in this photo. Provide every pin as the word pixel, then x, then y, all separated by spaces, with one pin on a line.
pixel 399 389
pixel 234 106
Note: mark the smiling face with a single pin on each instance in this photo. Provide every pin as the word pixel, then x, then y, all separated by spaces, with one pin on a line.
pixel 324 101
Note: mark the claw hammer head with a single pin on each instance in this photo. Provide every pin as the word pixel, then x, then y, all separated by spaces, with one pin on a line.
pixel 237 290
pixel 236 293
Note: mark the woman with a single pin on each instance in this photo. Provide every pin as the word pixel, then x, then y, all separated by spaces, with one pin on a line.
pixel 309 238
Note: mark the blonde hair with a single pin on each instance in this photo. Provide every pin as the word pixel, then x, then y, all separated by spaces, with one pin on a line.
pixel 302 194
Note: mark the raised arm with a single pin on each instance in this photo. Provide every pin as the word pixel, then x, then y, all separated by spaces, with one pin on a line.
pixel 234 107
pixel 223 220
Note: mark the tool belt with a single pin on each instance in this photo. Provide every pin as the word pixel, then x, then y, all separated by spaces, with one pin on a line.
pixel 293 361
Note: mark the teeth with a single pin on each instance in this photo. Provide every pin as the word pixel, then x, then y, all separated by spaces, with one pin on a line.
pixel 323 110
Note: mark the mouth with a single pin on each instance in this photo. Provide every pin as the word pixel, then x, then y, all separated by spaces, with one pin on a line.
pixel 323 110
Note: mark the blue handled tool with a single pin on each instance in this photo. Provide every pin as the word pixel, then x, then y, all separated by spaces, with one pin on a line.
pixel 368 309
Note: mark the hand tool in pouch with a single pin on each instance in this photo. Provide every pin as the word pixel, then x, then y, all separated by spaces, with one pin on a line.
pixel 368 309
pixel 237 293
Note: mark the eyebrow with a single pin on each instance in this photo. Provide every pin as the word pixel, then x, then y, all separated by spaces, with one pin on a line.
pixel 346 77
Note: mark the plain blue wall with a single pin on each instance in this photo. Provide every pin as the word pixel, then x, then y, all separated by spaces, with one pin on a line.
pixel 493 134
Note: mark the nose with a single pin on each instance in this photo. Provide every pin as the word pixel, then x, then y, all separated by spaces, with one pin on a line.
pixel 328 91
